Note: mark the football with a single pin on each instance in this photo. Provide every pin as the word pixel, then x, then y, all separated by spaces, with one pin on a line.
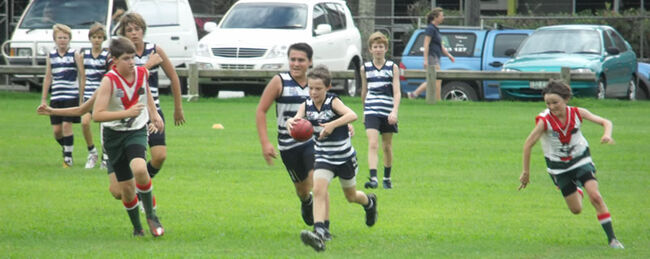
pixel 302 130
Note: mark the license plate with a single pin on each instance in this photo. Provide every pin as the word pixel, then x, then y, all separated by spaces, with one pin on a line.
pixel 538 84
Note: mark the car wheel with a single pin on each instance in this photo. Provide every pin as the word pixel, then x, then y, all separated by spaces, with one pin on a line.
pixel 208 90
pixel 458 91
pixel 353 86
pixel 600 90
pixel 632 90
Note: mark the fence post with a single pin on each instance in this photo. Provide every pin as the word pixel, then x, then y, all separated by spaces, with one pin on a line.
pixel 431 84
pixel 193 82
pixel 565 75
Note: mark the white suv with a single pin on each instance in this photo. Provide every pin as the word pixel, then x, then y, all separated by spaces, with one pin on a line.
pixel 255 34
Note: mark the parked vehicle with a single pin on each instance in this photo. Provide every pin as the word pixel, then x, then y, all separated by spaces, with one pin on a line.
pixel 170 24
pixel 256 34
pixel 643 86
pixel 583 48
pixel 473 49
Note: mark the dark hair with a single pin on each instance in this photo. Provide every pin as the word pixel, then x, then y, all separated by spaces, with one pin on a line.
pixel 558 87
pixel 301 46
pixel 134 18
pixel 321 72
pixel 433 14
pixel 120 46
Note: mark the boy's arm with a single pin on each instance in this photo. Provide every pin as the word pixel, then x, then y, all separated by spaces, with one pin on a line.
pixel 533 137
pixel 364 85
pixel 607 124
pixel 156 120
pixel 70 112
pixel 397 96
pixel 81 74
pixel 47 80
pixel 299 115
pixel 100 112
pixel 271 92
pixel 347 116
pixel 168 67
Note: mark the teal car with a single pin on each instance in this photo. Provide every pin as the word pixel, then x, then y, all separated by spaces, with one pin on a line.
pixel 583 48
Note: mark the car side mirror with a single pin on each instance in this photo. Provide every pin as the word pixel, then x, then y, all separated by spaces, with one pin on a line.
pixel 613 51
pixel 510 52
pixel 209 26
pixel 322 29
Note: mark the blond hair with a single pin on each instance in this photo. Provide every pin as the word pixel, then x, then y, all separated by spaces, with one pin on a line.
pixel 434 14
pixel 97 28
pixel 133 18
pixel 379 38
pixel 61 28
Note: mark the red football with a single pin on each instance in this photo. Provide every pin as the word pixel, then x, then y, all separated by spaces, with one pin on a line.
pixel 302 130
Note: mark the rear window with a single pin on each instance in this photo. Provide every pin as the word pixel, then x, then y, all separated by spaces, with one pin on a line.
pixel 77 14
pixel 159 13
pixel 457 44
pixel 266 16
pixel 504 42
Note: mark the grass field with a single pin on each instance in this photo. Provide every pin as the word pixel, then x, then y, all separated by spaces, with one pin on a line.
pixel 455 192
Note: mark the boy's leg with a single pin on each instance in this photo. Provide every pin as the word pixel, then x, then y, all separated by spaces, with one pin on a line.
pixel 387 145
pixel 158 157
pixel 114 186
pixel 88 136
pixel 144 187
pixel 605 219
pixel 369 201
pixel 130 202
pixel 68 142
pixel 373 146
pixel 316 239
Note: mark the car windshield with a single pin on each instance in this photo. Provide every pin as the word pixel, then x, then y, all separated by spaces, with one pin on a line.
pixel 562 41
pixel 158 13
pixel 78 14
pixel 266 16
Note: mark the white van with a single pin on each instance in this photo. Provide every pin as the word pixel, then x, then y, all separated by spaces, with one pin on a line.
pixel 170 24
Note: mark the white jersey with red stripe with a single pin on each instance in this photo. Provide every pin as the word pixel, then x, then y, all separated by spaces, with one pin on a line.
pixel 125 94
pixel 564 146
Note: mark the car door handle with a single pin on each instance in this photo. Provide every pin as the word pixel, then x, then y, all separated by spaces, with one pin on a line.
pixel 496 64
pixel 176 38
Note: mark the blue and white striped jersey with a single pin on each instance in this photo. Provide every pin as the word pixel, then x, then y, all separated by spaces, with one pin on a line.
pixel 337 148
pixel 95 68
pixel 379 99
pixel 64 76
pixel 150 49
pixel 286 106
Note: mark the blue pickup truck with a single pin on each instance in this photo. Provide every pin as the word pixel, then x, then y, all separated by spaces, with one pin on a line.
pixel 474 49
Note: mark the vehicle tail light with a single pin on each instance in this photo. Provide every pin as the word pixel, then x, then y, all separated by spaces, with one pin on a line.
pixel 401 71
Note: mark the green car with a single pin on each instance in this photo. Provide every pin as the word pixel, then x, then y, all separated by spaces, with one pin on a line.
pixel 583 48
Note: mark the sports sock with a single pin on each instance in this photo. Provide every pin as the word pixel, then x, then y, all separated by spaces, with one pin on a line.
pixel 308 201
pixel 152 170
pixel 320 229
pixel 373 174
pixel 387 172
pixel 92 149
pixel 606 221
pixel 327 224
pixel 68 145
pixel 104 156
pixel 146 193
pixel 60 141
pixel 133 210
pixel 370 204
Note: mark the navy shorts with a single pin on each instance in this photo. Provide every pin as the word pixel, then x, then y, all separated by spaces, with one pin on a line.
pixel 158 139
pixel 56 120
pixel 380 124
pixel 347 170
pixel 299 161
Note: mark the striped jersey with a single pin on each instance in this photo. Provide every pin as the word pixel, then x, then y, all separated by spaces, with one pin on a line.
pixel 64 76
pixel 379 99
pixel 337 148
pixel 286 106
pixel 95 68
pixel 125 94
pixel 140 60
pixel 564 146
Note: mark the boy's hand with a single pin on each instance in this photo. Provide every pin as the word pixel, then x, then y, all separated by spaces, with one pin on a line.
pixel 607 140
pixel 392 118
pixel 44 109
pixel 327 130
pixel 351 130
pixel 289 124
pixel 269 153
pixel 179 117
pixel 524 179
pixel 153 61
pixel 157 125
pixel 135 110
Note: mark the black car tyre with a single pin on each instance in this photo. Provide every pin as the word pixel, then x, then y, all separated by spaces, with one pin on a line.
pixel 458 91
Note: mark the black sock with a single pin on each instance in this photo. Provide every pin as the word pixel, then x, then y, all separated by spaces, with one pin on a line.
pixel 60 141
pixel 373 173
pixel 370 204
pixel 327 224
pixel 152 170
pixel 606 221
pixel 68 145
pixel 91 148
pixel 387 172
pixel 308 201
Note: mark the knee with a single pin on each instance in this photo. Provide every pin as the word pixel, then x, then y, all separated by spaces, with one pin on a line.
pixel 575 211
pixel 159 158
pixel 116 193
pixel 388 149
pixel 372 145
pixel 320 192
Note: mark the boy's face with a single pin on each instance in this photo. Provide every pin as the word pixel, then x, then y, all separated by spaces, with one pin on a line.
pixel 125 62
pixel 378 50
pixel 61 39
pixel 134 33
pixel 298 63
pixel 317 90
pixel 555 103
pixel 97 39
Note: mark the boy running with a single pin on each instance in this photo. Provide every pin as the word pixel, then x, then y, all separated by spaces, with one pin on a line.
pixel 334 154
pixel 567 155
pixel 380 95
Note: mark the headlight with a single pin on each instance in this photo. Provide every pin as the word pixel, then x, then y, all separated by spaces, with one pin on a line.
pixel 23 52
pixel 271 66
pixel 277 51
pixel 203 50
pixel 581 70
pixel 509 70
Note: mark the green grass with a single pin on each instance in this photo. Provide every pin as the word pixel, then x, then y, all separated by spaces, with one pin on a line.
pixel 455 176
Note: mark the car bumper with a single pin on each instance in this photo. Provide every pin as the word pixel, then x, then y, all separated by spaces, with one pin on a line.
pixel 521 90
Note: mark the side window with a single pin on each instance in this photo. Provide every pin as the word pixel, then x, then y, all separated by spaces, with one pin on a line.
pixel 341 10
pixel 608 41
pixel 620 43
pixel 334 16
pixel 418 48
pixel 459 44
pixel 320 16
pixel 504 42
